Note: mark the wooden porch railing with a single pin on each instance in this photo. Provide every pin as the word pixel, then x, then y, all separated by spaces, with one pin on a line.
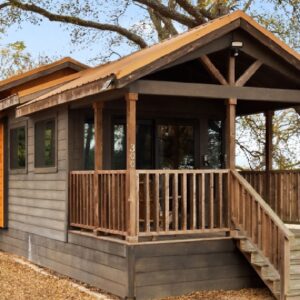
pixel 280 189
pixel 182 201
pixel 168 201
pixel 97 200
pixel 256 219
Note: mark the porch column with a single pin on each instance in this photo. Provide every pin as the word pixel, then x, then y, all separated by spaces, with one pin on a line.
pixel 230 118
pixel 131 99
pixel 269 140
pixel 98 127
pixel 268 151
pixel 230 133
pixel 98 154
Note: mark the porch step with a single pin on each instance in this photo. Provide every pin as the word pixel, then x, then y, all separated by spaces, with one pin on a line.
pixel 261 265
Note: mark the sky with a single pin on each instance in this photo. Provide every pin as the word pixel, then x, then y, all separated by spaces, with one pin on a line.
pixel 47 39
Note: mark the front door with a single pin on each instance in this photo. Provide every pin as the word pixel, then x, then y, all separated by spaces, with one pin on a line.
pixel 160 145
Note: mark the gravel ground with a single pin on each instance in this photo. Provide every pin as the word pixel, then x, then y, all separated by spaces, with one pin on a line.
pixel 245 294
pixel 19 281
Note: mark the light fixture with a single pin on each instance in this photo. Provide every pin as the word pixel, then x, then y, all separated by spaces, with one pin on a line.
pixel 235 47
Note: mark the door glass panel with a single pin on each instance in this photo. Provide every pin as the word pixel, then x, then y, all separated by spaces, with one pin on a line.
pixel 119 147
pixel 215 144
pixel 175 146
pixel 89 145
pixel 144 146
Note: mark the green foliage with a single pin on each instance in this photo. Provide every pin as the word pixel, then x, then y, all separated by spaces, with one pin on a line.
pixel 14 59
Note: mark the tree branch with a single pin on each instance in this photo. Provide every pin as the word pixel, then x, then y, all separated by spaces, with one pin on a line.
pixel 78 21
pixel 189 8
pixel 168 13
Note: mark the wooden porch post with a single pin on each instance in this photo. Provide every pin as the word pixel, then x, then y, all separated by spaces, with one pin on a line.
pixel 269 140
pixel 98 154
pixel 131 99
pixel 98 121
pixel 268 151
pixel 230 119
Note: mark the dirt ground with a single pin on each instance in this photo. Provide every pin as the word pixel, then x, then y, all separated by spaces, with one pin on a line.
pixel 19 281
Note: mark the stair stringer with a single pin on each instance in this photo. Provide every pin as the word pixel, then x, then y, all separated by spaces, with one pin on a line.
pixel 265 270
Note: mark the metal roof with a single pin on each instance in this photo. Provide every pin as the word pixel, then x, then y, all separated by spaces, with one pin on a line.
pixel 127 65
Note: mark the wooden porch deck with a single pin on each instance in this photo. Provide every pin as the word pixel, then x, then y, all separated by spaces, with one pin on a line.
pixel 188 202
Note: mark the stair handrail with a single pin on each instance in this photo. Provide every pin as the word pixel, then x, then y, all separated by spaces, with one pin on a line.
pixel 283 243
pixel 287 233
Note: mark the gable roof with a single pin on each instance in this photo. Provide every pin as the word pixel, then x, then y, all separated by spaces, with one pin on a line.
pixel 22 78
pixel 127 66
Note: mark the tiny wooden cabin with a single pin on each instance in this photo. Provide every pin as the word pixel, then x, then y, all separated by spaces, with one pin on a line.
pixel 123 176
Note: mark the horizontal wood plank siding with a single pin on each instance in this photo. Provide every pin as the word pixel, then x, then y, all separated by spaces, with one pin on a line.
pixel 174 269
pixel 103 264
pixel 38 201
pixel 145 271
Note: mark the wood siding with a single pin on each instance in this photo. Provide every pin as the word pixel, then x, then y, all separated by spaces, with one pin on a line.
pixel 143 271
pixel 166 269
pixel 2 199
pixel 38 201
pixel 100 263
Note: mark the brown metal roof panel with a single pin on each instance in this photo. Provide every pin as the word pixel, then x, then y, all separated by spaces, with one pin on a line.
pixel 131 63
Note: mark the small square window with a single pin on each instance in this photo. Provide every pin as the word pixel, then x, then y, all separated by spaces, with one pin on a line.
pixel 44 146
pixel 18 151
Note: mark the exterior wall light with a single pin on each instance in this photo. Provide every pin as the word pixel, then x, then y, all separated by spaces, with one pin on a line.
pixel 235 48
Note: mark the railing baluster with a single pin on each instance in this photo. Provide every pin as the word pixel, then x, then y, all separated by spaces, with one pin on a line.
pixel 184 201
pixel 203 199
pixel 156 202
pixel 211 199
pixel 147 203
pixel 175 201
pixel 192 202
pixel 166 202
pixel 220 196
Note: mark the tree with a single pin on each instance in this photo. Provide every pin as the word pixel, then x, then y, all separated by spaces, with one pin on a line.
pixel 131 24
pixel 127 25
pixel 286 141
pixel 14 59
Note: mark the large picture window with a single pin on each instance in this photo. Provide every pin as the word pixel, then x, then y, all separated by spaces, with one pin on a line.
pixel 18 151
pixel 45 145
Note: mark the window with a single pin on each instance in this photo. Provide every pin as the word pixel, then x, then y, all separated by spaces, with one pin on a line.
pixel 144 145
pixel 215 128
pixel 44 147
pixel 119 147
pixel 18 148
pixel 176 146
pixel 89 145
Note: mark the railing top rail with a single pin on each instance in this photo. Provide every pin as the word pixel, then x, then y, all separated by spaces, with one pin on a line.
pixel 287 233
pixel 271 171
pixel 184 171
pixel 98 172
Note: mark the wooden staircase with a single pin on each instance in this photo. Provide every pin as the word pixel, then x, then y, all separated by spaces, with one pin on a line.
pixel 261 265
pixel 268 244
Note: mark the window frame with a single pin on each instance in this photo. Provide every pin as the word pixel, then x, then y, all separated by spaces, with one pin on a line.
pixel 13 126
pixel 51 169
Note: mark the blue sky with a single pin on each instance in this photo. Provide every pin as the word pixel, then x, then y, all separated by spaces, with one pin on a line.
pixel 47 39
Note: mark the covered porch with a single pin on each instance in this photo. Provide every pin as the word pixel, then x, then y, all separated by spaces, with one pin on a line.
pixel 178 178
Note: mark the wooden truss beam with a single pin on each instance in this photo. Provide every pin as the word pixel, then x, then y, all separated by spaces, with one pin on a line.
pixel 248 73
pixel 212 69
pixel 199 90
